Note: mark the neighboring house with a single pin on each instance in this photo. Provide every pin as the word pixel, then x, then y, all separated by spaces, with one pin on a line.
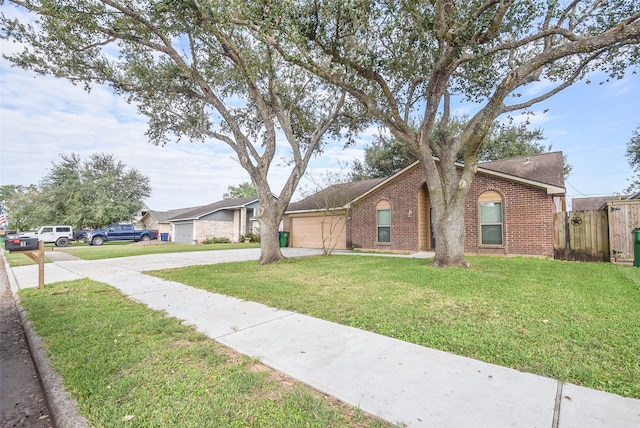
pixel 160 220
pixel 599 202
pixel 593 203
pixel 229 218
pixel 510 210
pixel 137 218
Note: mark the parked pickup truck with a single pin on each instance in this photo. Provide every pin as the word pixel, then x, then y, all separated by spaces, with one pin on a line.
pixel 59 235
pixel 119 232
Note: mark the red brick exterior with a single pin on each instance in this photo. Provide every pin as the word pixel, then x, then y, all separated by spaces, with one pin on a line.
pixel 402 194
pixel 528 214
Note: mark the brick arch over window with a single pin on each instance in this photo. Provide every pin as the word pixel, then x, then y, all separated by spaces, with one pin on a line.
pixel 383 221
pixel 490 213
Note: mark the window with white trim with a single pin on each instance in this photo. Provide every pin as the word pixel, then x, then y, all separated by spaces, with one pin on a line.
pixel 383 222
pixel 491 224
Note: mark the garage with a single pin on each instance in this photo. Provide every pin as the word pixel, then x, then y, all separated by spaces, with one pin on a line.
pixel 183 233
pixel 308 232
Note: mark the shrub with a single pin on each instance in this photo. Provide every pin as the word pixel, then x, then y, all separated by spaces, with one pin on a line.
pixel 253 237
pixel 216 240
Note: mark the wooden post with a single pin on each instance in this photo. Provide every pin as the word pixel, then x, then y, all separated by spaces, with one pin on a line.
pixel 40 260
pixel 41 264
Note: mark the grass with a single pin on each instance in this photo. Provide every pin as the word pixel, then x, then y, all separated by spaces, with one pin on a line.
pixel 136 249
pixel 575 322
pixel 123 249
pixel 127 365
pixel 16 259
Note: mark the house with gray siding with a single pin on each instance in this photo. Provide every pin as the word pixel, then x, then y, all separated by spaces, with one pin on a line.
pixel 228 218
pixel 160 220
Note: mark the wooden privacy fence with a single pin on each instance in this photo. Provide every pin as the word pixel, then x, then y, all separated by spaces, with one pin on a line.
pixel 624 217
pixel 582 236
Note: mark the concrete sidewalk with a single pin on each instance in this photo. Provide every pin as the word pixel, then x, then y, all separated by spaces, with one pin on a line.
pixel 397 381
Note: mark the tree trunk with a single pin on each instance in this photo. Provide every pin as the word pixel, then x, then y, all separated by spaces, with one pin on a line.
pixel 269 216
pixel 448 191
pixel 450 234
pixel 269 240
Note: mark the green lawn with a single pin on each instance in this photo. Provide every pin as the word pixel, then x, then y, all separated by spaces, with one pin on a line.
pixel 129 366
pixel 109 251
pixel 576 322
pixel 124 249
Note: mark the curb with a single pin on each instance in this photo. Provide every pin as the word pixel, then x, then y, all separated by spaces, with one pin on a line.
pixel 63 409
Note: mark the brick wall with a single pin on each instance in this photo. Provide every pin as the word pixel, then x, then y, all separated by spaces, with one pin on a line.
pixel 402 194
pixel 527 216
pixel 205 229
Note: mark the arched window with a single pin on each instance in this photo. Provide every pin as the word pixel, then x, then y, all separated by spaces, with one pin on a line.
pixel 491 228
pixel 383 222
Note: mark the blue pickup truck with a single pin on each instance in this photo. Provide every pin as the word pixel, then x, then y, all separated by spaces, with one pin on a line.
pixel 119 232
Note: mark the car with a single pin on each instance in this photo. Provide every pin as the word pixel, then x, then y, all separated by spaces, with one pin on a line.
pixel 61 236
pixel 119 232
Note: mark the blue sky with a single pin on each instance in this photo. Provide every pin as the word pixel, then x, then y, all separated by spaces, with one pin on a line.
pixel 42 117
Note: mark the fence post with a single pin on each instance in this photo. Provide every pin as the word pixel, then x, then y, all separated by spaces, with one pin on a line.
pixel 567 233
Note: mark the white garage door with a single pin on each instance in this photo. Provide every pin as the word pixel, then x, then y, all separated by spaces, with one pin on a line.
pixel 184 233
pixel 308 232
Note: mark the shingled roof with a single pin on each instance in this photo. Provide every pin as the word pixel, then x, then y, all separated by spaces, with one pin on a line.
pixel 164 216
pixel 547 168
pixel 336 196
pixel 204 210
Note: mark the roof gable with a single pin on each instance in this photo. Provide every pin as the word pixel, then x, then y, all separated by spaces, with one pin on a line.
pixel 335 196
pixel 202 211
pixel 164 216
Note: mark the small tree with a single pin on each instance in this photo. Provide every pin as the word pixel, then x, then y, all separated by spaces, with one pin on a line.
pixel 633 157
pixel 240 191
pixel 329 195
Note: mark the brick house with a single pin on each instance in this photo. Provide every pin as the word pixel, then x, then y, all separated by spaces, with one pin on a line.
pixel 510 210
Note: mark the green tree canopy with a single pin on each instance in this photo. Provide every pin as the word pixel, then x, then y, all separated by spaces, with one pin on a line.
pixel 633 157
pixel 91 193
pixel 240 191
pixel 20 205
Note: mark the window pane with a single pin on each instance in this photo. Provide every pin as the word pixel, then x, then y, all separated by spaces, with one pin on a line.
pixel 384 234
pixel 384 217
pixel 491 212
pixel 492 234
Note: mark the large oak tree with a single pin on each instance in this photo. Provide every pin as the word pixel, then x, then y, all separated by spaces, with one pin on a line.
pixel 196 74
pixel 406 60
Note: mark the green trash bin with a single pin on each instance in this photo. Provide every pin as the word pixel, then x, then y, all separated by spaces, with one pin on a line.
pixel 284 239
pixel 636 247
